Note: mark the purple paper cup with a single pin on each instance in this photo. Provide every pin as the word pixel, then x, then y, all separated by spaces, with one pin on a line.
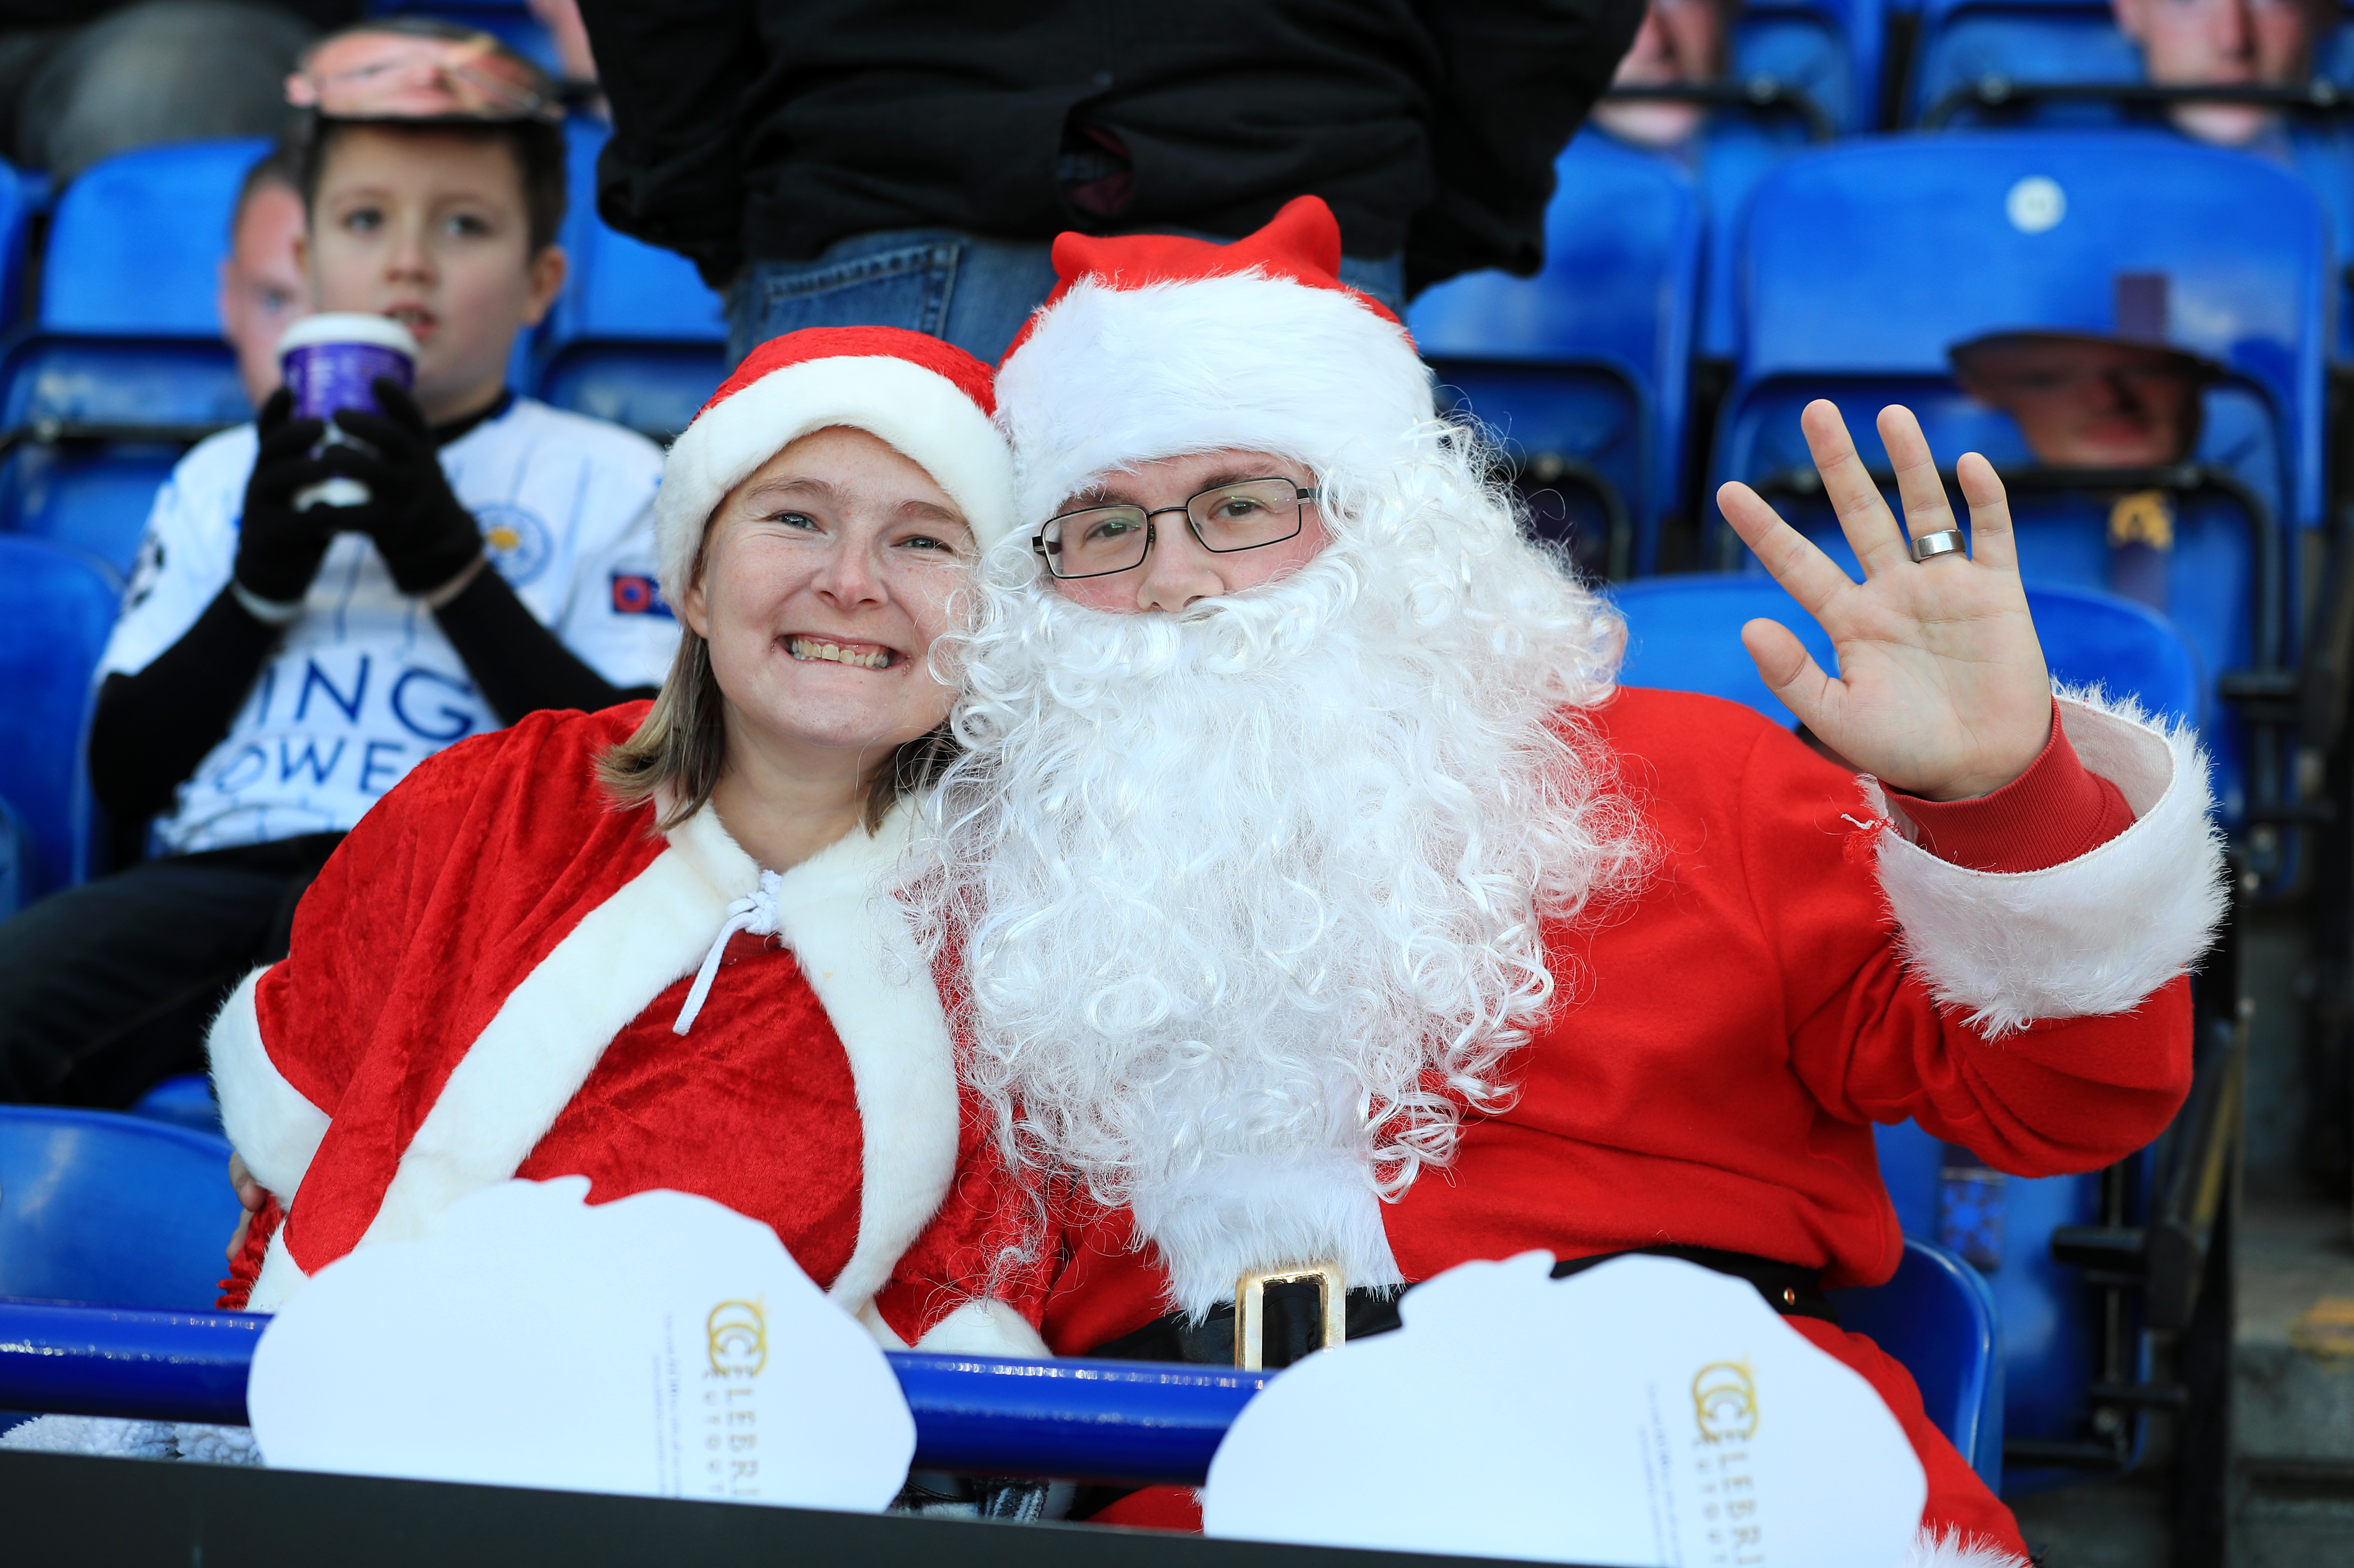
pixel 331 362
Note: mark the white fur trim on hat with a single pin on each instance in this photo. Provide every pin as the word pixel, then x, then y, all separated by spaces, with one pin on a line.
pixel 268 1121
pixel 1110 377
pixel 920 413
pixel 2090 937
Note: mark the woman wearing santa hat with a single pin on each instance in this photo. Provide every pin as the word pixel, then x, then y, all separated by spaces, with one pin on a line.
pixel 637 945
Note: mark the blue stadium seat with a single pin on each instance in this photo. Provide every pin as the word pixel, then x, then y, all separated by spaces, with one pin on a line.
pixel 185 1100
pixel 56 607
pixel 1964 44
pixel 1684 633
pixel 1583 369
pixel 636 337
pixel 123 366
pixel 1943 238
pixel 112 1209
pixel 1829 51
pixel 1937 1317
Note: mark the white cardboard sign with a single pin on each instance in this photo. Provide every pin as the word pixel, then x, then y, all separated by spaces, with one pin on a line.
pixel 663 1345
pixel 1644 1412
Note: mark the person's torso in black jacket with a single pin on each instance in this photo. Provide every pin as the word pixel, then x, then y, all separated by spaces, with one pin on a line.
pixel 773 128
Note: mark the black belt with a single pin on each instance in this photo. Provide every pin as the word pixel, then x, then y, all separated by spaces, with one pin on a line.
pixel 1294 1321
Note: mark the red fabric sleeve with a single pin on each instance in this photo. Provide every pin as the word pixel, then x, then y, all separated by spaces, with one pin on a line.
pixel 2049 815
pixel 318 1007
pixel 993 1238
pixel 1870 1042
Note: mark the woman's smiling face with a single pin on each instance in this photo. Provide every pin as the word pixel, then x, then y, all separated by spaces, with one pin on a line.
pixel 825 576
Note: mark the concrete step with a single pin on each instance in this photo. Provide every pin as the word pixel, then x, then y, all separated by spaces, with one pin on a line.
pixel 2293 1404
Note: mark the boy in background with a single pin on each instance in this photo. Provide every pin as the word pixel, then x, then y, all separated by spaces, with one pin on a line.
pixel 275 669
pixel 262 290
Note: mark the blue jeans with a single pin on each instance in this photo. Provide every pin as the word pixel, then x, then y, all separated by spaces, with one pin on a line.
pixel 974 293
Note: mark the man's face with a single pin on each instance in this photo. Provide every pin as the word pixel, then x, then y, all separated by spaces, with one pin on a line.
pixel 2222 43
pixel 430 229
pixel 1679 42
pixel 2090 404
pixel 261 286
pixel 1178 570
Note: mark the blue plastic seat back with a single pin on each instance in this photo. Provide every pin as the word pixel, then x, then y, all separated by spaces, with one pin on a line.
pixel 136 246
pixel 128 336
pixel 112 1209
pixel 18 200
pixel 1830 49
pixel 1938 1317
pixel 185 1100
pixel 2045 1312
pixel 1589 359
pixel 1944 239
pixel 2212 578
pixel 1684 633
pixel 1962 42
pixel 56 607
pixel 636 337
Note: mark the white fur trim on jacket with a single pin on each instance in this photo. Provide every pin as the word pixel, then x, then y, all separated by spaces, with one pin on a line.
pixel 1110 377
pixel 552 1030
pixel 279 1276
pixel 1952 1549
pixel 878 994
pixel 920 414
pixel 1248 1213
pixel 985 1329
pixel 270 1122
pixel 2094 935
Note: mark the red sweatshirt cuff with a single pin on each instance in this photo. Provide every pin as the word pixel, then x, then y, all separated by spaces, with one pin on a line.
pixel 2050 814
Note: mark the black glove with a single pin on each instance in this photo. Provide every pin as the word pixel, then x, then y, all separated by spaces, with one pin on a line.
pixel 278 548
pixel 418 526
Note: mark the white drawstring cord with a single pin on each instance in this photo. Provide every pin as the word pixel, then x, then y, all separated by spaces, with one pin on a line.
pixel 756 913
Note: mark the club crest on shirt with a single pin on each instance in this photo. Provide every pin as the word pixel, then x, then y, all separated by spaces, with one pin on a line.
pixel 519 542
pixel 639 593
pixel 144 572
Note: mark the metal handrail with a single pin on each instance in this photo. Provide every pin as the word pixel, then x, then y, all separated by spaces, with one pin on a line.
pixel 49 432
pixel 1765 93
pixel 1132 1423
pixel 2320 96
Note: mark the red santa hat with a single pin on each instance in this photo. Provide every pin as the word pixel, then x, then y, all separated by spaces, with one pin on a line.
pixel 930 400
pixel 1152 345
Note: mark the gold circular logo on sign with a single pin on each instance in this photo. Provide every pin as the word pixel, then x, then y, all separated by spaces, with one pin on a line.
pixel 1725 1398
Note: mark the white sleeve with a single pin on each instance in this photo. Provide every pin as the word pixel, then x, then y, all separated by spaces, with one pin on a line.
pixel 185 560
pixel 612 617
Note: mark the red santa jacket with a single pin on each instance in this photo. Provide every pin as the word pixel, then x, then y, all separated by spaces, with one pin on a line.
pixel 482 984
pixel 1794 970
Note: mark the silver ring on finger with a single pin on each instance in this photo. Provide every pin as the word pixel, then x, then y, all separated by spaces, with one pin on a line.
pixel 1944 542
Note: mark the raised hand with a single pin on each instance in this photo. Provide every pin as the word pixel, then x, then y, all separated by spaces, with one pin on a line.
pixel 1942 690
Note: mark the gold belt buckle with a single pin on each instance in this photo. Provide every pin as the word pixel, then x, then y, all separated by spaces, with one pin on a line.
pixel 1250 1309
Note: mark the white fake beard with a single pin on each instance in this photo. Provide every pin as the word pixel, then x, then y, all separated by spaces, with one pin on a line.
pixel 1250 896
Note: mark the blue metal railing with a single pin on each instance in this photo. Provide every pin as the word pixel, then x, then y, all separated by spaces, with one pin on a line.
pixel 1132 1422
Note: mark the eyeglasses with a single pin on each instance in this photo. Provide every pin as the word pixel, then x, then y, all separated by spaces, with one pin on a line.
pixel 396 76
pixel 1244 515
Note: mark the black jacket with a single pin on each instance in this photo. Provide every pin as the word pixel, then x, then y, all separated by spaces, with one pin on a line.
pixel 770 129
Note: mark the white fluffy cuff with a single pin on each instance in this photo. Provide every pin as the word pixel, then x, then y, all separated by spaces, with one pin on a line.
pixel 268 1120
pixel 2094 935
pixel 982 1327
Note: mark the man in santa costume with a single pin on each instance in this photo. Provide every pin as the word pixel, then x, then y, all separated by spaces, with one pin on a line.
pixel 1324 902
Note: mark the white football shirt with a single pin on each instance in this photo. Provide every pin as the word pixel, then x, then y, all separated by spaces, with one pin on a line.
pixel 364 685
